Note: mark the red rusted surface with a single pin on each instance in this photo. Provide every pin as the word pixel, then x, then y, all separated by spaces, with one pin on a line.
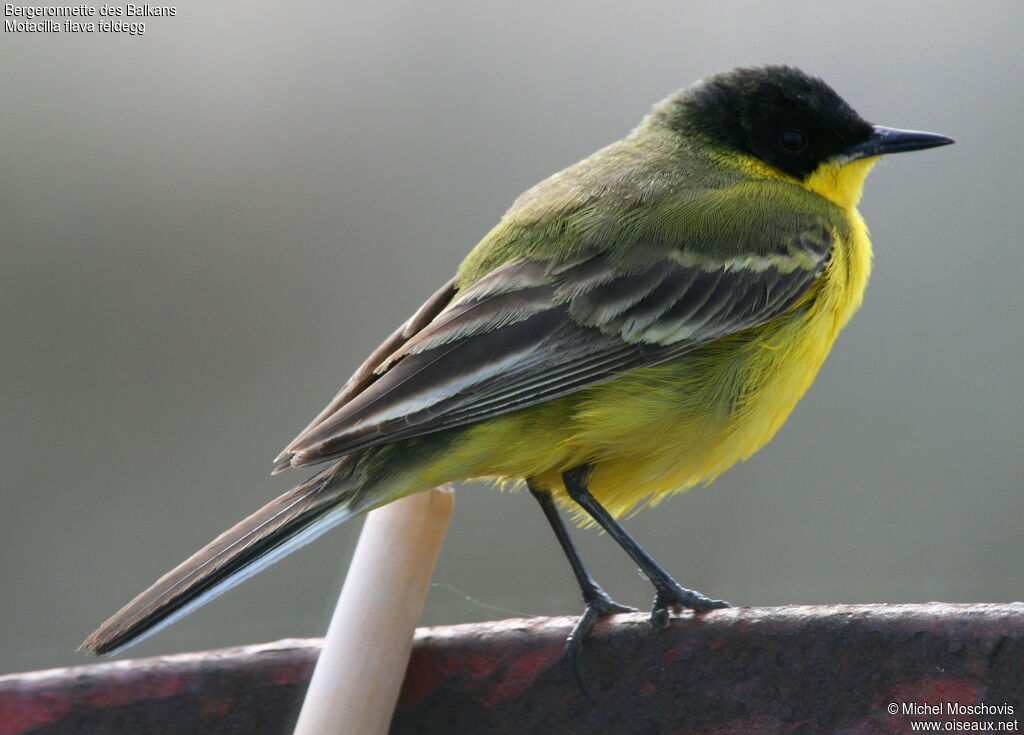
pixel 728 672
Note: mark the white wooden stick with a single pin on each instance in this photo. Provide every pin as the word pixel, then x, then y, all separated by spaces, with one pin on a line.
pixel 359 674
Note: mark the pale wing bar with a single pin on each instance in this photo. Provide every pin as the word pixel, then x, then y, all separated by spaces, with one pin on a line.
pixel 497 398
pixel 528 332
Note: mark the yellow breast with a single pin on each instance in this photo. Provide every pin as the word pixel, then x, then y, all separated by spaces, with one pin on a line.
pixel 667 440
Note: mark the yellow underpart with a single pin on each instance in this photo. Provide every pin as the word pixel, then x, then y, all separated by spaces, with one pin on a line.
pixel 660 430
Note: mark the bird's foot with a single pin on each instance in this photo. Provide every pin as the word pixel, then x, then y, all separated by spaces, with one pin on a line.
pixel 677 598
pixel 599 605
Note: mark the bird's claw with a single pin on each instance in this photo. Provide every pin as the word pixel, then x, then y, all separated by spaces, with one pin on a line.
pixel 599 605
pixel 677 599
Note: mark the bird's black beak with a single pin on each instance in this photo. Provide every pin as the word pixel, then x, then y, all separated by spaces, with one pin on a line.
pixel 892 140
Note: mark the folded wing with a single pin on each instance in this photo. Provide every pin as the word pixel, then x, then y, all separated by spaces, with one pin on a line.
pixel 531 331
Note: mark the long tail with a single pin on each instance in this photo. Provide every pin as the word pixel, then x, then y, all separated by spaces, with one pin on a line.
pixel 274 531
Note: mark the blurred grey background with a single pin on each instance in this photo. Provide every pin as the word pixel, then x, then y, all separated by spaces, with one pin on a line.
pixel 206 228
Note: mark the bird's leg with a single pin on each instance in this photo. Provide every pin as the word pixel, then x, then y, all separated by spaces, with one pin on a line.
pixel 598 603
pixel 670 594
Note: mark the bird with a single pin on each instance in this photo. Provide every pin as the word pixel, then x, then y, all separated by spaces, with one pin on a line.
pixel 633 326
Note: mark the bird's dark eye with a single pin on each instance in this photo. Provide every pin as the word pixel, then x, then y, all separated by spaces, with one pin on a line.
pixel 793 140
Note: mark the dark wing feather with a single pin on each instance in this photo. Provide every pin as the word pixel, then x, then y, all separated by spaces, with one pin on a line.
pixel 528 332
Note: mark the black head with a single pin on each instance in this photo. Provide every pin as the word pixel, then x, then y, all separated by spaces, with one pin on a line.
pixel 777 113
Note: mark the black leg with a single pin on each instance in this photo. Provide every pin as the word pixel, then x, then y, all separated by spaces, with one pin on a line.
pixel 599 604
pixel 670 594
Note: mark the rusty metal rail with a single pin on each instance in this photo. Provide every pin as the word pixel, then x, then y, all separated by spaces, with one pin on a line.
pixel 854 670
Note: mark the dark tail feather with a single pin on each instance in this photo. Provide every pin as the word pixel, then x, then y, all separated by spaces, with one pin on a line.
pixel 277 529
